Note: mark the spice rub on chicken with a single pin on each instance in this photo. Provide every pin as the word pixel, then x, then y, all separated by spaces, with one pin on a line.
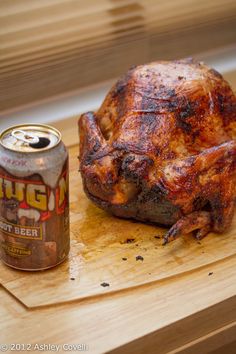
pixel 162 148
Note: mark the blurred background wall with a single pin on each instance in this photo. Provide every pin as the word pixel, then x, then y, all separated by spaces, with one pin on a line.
pixel 53 47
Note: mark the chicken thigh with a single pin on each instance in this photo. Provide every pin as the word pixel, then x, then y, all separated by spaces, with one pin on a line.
pixel 162 148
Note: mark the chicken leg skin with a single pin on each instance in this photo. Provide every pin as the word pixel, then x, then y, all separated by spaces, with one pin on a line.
pixel 214 181
pixel 198 220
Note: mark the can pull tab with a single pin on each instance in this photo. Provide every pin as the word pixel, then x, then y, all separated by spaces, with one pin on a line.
pixel 26 137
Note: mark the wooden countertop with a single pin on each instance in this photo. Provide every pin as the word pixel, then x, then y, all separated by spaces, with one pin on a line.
pixel 192 312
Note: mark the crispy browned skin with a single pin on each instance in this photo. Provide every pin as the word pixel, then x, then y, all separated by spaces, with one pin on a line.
pixel 162 148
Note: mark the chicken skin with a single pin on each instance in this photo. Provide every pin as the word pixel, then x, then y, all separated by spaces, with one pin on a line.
pixel 162 148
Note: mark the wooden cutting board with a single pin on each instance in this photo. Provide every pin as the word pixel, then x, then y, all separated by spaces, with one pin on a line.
pixel 120 253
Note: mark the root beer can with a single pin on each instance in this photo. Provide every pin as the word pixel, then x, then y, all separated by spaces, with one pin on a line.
pixel 34 197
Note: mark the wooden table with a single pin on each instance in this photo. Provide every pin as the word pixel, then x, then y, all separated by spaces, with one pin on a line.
pixel 194 312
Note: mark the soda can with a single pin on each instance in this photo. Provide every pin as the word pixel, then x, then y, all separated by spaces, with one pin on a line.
pixel 34 197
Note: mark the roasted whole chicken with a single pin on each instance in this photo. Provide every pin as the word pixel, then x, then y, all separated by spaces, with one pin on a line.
pixel 162 148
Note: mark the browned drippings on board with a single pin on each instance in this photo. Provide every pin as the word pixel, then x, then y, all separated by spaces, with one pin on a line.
pixel 99 245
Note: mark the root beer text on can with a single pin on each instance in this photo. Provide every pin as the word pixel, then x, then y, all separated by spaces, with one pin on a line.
pixel 34 205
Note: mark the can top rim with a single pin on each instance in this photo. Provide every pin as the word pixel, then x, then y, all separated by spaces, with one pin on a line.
pixel 33 126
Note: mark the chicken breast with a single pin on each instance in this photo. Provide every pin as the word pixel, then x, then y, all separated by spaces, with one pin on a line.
pixel 162 148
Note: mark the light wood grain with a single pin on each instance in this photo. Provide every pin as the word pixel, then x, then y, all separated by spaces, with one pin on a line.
pixel 155 319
